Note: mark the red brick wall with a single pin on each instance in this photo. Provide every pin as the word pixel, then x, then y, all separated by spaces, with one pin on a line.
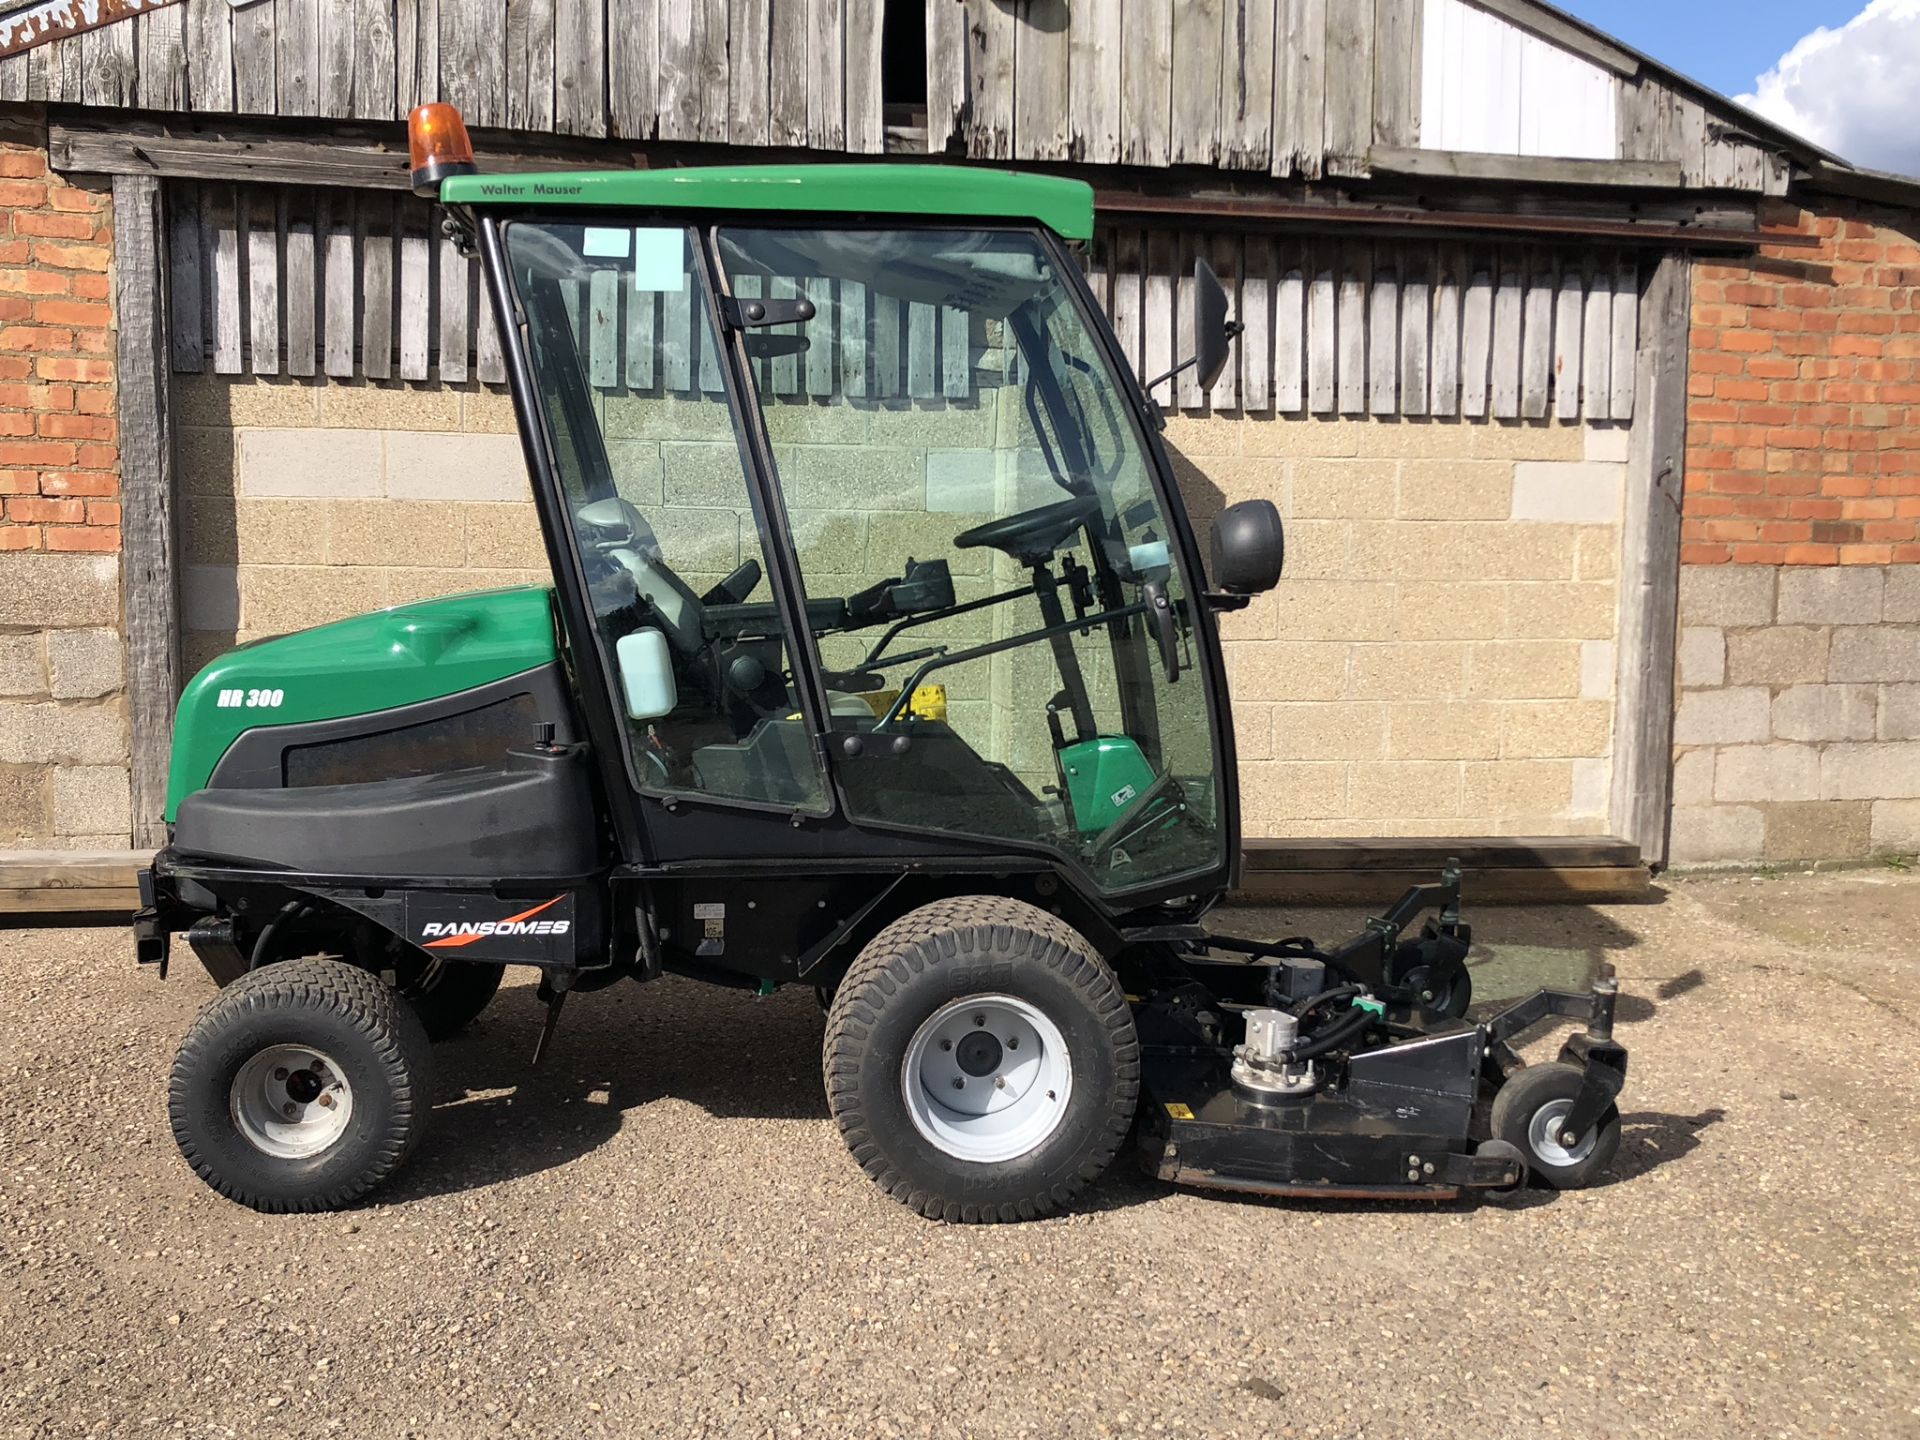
pixel 59 442
pixel 1803 443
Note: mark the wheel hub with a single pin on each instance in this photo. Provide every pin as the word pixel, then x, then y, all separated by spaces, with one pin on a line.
pixel 986 1078
pixel 1547 1133
pixel 290 1102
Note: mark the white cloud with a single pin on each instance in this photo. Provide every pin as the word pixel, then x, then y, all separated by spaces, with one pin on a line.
pixel 1854 90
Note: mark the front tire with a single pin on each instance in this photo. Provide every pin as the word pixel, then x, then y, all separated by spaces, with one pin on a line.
pixel 301 1086
pixel 981 1061
pixel 1526 1114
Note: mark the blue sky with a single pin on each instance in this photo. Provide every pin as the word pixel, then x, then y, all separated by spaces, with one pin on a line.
pixel 1727 44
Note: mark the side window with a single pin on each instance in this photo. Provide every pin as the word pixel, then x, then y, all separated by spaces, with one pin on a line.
pixel 662 515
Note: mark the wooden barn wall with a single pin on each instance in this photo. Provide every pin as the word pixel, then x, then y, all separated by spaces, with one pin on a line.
pixel 273 280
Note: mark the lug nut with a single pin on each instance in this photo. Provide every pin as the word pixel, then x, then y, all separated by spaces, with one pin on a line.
pixel 281 1073
pixel 290 1110
pixel 1013 1042
pixel 979 1020
pixel 326 1102
pixel 999 1082
pixel 958 1083
pixel 946 1044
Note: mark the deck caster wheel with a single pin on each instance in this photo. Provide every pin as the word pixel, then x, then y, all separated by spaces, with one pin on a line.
pixel 448 995
pixel 981 1061
pixel 1528 1113
pixel 301 1086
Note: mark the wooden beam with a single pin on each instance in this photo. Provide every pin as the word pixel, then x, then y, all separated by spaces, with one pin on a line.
pixel 148 555
pixel 1650 584
pixel 1523 169
pixel 70 882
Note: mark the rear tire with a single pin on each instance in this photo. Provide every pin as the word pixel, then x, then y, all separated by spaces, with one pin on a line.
pixel 301 1086
pixel 1524 1114
pixel 981 1061
pixel 448 995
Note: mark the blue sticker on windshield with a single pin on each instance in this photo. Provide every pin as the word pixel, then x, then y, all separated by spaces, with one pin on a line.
pixel 659 260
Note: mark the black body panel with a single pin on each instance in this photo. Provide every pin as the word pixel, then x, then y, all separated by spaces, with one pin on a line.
pixel 469 727
pixel 534 815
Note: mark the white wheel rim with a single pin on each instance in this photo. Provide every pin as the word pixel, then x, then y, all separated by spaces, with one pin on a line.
pixel 291 1102
pixel 987 1078
pixel 1543 1134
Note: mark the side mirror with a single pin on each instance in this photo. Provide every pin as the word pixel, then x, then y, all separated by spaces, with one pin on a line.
pixel 1249 548
pixel 1213 333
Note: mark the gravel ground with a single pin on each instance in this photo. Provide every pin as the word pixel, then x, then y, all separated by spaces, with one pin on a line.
pixel 659 1234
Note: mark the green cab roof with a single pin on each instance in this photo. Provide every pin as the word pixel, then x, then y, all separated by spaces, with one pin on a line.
pixel 961 192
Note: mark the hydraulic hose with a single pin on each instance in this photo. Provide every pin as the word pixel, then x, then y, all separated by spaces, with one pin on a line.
pixel 1334 1036
pixel 1325 997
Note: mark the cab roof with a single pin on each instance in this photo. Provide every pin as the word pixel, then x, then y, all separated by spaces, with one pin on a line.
pixel 948 191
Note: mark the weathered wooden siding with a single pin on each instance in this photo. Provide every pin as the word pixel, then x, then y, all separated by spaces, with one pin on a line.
pixel 272 280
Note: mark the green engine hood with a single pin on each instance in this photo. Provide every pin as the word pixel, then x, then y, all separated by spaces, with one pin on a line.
pixel 353 667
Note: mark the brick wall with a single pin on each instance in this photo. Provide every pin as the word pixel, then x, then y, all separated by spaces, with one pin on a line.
pixel 1797 734
pixel 63 744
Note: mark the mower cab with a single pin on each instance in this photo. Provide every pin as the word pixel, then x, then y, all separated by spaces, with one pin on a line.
pixel 879 657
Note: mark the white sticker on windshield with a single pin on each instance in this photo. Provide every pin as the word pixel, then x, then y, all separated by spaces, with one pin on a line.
pixel 659 260
pixel 602 241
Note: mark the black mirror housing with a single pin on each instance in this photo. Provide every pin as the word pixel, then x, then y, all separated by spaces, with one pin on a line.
pixel 1212 335
pixel 1249 548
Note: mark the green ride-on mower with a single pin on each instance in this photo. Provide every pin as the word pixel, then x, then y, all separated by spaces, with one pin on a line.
pixel 880 658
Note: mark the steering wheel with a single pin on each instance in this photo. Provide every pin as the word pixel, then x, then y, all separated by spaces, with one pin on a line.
pixel 1032 536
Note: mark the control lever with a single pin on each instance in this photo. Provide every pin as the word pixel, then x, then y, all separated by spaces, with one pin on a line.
pixel 1160 612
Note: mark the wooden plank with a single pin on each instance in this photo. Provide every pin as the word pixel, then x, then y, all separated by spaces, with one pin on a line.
pixel 1650 585
pixel 1474 852
pixel 956 354
pixel 885 369
pixel 992 33
pixel 255 60
pixel 853 338
pixel 1195 134
pixel 110 70
pixel 376 287
pixel 1416 312
pixel 714 67
pixel 1042 85
pixel 339 282
pixel 1581 885
pixel 1157 298
pixel 528 78
pixel 16 72
pixel 946 71
pixel 1146 84
pixel 749 72
pixel 826 78
pixel 1129 288
pixel 820 340
pixel 416 44
pixel 148 556
pixel 162 48
pixel 1536 359
pixel 1290 342
pixel 1507 355
pixel 1299 89
pixel 1396 72
pixel 1596 347
pixel 643 323
pixel 1351 338
pixel 1476 345
pixel 1443 347
pixel 634 81
pixel 300 292
pixel 473 61
pixel 375 60
pixel 1186 385
pixel 1096 41
pixel 220 239
pixel 336 41
pixel 1625 339
pixel 603 329
pixel 415 303
pixel 1562 33
pixel 101 900
pixel 297 56
pixel 1323 347
pixel 1246 84
pixel 1383 343
pixel 1257 272
pixel 676 340
pixel 489 358
pixel 1349 86
pixel 1524 169
pixel 185 279
pixel 679 71
pixel 452 288
pixel 866 100
pixel 1569 308
pixel 922 373
pixel 1230 265
pixel 707 359
pixel 579 66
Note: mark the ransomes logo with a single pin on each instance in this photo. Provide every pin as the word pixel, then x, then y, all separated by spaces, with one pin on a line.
pixel 454 934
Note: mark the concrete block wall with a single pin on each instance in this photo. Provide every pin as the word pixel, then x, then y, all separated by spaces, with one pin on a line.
pixel 1440 656
pixel 63 736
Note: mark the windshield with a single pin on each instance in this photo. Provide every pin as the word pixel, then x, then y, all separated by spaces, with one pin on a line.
pixel 991 594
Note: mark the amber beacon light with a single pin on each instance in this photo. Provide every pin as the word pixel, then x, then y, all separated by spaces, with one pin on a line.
pixel 438 146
